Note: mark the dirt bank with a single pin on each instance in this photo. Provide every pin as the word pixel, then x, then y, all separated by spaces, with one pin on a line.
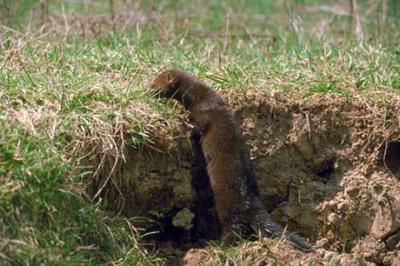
pixel 327 167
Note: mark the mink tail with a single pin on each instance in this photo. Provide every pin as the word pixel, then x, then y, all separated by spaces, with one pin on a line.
pixel 264 223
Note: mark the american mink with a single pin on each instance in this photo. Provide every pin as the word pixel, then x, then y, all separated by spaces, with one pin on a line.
pixel 232 178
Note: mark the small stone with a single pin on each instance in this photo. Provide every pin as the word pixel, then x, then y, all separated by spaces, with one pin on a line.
pixel 183 219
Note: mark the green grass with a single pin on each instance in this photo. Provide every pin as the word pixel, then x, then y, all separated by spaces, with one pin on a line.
pixel 66 96
pixel 44 217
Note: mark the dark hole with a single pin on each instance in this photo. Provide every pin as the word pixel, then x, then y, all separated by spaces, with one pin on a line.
pixel 392 157
pixel 166 230
pixel 325 169
pixel 393 240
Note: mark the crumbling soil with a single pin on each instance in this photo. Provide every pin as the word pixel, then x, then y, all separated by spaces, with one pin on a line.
pixel 327 167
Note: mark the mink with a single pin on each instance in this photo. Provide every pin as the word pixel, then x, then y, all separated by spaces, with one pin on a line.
pixel 232 176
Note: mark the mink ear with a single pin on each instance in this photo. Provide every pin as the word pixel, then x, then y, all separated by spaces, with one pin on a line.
pixel 170 78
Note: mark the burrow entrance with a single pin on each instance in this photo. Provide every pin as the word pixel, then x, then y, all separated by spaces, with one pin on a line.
pixel 326 167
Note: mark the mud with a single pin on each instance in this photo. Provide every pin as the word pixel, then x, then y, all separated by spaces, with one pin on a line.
pixel 327 167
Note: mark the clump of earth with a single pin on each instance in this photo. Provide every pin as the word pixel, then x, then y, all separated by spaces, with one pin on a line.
pixel 327 168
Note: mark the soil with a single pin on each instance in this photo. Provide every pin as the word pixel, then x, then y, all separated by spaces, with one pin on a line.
pixel 327 167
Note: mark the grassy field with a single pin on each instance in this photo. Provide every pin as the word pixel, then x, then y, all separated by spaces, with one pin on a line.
pixel 72 74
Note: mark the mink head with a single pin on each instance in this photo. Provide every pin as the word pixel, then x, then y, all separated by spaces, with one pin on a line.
pixel 165 84
pixel 170 84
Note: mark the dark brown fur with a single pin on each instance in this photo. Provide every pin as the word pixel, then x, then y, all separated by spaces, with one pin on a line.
pixel 232 177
